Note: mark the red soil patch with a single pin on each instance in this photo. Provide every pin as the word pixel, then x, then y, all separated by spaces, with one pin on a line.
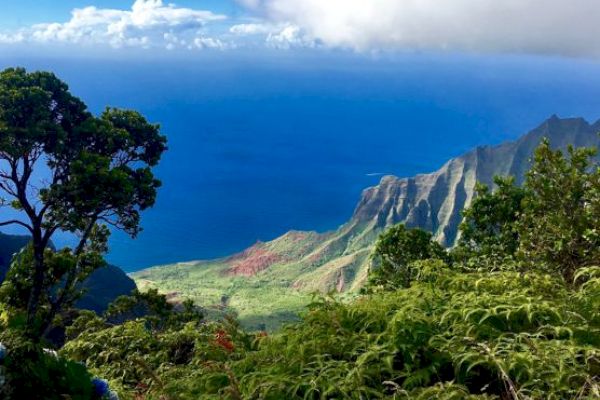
pixel 252 261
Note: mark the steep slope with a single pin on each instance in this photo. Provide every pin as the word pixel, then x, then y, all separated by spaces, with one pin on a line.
pixel 102 287
pixel 9 244
pixel 299 263
pixel 434 201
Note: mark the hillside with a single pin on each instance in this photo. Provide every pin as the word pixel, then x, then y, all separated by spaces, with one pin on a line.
pixel 9 244
pixel 269 282
pixel 102 287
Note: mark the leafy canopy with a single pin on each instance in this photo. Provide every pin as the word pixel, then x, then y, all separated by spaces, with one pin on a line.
pixel 489 223
pixel 560 224
pixel 453 334
pixel 394 252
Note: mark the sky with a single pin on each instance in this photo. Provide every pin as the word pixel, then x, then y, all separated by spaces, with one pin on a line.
pixel 543 27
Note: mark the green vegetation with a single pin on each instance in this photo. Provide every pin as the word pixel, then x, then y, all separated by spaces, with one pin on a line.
pixel 559 227
pixel 396 252
pixel 512 312
pixel 62 169
pixel 453 334
pixel 489 225
pixel 259 302
pixel 484 321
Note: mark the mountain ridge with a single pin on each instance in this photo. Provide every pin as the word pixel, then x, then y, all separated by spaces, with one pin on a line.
pixel 338 260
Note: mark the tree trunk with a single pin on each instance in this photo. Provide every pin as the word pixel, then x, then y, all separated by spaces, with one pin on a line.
pixel 38 282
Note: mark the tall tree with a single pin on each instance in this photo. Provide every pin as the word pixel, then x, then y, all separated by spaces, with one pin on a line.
pixel 489 224
pixel 65 169
pixel 394 252
pixel 560 225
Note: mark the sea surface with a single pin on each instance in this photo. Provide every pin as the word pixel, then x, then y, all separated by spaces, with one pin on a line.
pixel 261 146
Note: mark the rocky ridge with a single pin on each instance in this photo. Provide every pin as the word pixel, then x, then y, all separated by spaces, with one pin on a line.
pixel 305 262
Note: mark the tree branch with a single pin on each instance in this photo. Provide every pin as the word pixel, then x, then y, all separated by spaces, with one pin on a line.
pixel 16 222
pixel 48 234
pixel 71 280
pixel 85 236
pixel 21 186
pixel 4 185
pixel 58 175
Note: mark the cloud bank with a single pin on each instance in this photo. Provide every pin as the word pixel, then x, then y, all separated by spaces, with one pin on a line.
pixel 148 23
pixel 556 27
pixel 549 27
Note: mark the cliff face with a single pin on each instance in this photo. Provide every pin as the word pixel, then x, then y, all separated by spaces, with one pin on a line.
pixel 338 260
pixel 434 201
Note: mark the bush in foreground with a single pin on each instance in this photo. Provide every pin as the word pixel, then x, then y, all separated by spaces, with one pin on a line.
pixel 452 334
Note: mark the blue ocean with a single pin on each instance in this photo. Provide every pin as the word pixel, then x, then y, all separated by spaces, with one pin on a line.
pixel 261 146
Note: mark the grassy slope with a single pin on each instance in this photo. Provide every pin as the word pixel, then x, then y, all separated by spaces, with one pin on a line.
pixel 256 299
pixel 295 266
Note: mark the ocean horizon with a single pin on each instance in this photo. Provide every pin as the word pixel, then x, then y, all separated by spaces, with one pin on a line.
pixel 258 149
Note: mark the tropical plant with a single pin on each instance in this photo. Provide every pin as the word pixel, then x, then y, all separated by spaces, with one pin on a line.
pixel 138 355
pixel 560 224
pixel 394 252
pixel 489 224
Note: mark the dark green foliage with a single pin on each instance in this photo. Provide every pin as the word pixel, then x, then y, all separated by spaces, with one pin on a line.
pixel 139 354
pixel 550 225
pixel 452 334
pixel 394 252
pixel 16 290
pixel 560 225
pixel 32 373
pixel 138 305
pixel 487 333
pixel 137 358
pixel 154 307
pixel 489 225
pixel 99 289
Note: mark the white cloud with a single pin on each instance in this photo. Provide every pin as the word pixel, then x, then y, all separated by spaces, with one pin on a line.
pixel 523 26
pixel 554 27
pixel 210 43
pixel 11 38
pixel 253 29
pixel 290 36
pixel 275 35
pixel 148 23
